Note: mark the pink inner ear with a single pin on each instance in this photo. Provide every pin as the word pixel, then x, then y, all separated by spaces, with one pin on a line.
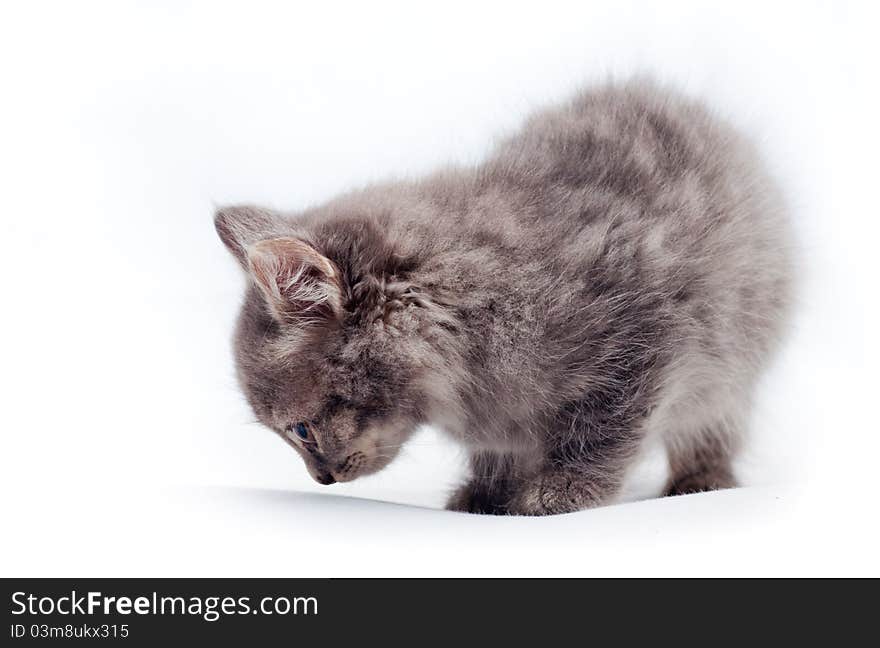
pixel 295 278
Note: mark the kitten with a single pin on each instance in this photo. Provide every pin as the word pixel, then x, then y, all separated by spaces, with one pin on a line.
pixel 619 268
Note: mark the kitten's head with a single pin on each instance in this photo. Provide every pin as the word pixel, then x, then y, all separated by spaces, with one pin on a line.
pixel 333 344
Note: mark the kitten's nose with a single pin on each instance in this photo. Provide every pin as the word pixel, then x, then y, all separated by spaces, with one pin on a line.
pixel 325 478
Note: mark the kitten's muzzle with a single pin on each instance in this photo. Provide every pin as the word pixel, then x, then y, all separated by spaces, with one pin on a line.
pixel 350 467
pixel 324 478
pixel 320 474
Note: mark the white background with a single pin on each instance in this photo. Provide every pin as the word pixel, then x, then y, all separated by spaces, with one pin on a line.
pixel 127 449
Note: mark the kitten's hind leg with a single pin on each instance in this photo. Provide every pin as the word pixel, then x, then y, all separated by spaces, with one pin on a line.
pixel 703 460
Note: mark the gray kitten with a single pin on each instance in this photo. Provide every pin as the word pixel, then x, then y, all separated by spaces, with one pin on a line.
pixel 619 268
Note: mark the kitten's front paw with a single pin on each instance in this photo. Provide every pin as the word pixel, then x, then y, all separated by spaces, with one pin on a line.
pixel 553 493
pixel 469 499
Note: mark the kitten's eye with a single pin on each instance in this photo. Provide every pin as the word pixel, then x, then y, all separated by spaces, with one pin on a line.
pixel 300 430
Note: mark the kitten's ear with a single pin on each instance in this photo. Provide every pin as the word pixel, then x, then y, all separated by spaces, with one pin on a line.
pixel 240 226
pixel 298 282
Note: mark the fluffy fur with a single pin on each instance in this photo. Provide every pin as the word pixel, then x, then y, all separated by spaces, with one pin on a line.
pixel 619 268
